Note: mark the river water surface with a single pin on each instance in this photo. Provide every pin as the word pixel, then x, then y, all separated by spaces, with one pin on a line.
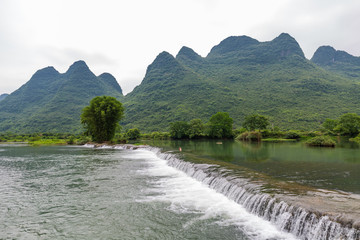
pixel 84 193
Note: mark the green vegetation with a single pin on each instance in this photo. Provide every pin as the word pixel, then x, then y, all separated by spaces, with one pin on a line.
pixel 355 139
pixel 101 118
pixel 52 102
pixel 196 128
pixel 37 139
pixel 41 142
pixel 321 141
pixel 253 136
pixel 347 125
pixel 255 122
pixel 220 125
pixel 241 76
pixel 291 134
pixel 337 61
pixel 156 136
pixel 179 130
pixel 133 134
pixel 330 125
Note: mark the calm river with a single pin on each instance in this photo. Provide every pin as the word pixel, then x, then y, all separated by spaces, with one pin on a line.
pixel 208 191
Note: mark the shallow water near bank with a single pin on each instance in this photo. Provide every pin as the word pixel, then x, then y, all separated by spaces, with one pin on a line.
pixel 64 192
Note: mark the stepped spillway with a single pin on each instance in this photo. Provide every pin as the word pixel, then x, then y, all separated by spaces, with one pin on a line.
pixel 305 212
pixel 288 212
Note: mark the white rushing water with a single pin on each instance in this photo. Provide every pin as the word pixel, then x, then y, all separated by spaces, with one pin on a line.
pixel 189 195
pixel 212 192
pixel 296 220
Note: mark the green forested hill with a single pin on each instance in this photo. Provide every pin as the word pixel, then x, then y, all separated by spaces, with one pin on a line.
pixel 241 76
pixel 52 102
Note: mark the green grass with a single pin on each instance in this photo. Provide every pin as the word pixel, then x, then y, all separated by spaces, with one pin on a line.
pixel 48 142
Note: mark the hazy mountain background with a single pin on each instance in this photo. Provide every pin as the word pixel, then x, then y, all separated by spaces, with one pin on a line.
pixel 240 75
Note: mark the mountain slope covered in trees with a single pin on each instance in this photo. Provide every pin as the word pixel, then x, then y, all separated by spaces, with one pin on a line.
pixel 52 102
pixel 241 76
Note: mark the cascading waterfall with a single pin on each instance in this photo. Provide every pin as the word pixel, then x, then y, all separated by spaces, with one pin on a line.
pixel 289 218
pixel 296 220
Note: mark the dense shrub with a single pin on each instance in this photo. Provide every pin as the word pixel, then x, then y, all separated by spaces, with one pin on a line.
pixel 321 141
pixel 239 131
pixel 292 135
pixel 132 134
pixel 179 130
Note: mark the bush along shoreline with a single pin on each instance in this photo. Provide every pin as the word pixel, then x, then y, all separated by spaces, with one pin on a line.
pixel 255 128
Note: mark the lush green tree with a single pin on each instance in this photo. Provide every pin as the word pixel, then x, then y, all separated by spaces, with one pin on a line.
pixel 133 134
pixel 255 122
pixel 196 128
pixel 179 130
pixel 101 118
pixel 330 124
pixel 220 125
pixel 349 124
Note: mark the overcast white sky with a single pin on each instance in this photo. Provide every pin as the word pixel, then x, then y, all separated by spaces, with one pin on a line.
pixel 123 37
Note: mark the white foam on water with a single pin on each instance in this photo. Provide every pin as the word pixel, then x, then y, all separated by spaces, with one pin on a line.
pixel 187 195
pixel 87 145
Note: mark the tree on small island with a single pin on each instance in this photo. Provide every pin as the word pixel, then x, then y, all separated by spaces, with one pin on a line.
pixel 101 118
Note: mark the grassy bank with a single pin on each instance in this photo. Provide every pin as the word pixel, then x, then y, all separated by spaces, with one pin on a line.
pixel 40 139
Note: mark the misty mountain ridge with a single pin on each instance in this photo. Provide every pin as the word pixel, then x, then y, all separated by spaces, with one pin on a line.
pixel 240 75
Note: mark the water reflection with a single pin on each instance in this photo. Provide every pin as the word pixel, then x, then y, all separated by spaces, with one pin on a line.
pixel 329 168
pixel 255 152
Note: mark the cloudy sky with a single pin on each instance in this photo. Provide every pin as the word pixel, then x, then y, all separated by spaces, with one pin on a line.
pixel 123 37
